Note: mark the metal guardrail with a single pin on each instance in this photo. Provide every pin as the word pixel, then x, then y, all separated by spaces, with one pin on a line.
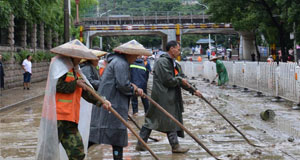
pixel 95 13
pixel 279 81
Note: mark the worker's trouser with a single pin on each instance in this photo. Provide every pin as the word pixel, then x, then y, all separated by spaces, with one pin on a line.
pixel 172 136
pixel 70 138
pixel 134 102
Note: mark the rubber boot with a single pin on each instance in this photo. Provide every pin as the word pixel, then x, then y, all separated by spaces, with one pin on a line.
pixel 117 152
pixel 144 134
pixel 173 140
pixel 178 149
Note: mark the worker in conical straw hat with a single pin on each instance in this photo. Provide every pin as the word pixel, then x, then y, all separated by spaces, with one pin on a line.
pixel 90 68
pixel 116 87
pixel 168 79
pixel 221 71
pixel 60 115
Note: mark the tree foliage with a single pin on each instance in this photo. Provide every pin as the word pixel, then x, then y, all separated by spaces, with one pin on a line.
pixel 49 12
pixel 272 18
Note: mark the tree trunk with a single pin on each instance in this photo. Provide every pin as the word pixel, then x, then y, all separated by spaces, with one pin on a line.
pixel 24 35
pixel 42 35
pixel 11 32
pixel 56 39
pixel 33 36
pixel 282 42
pixel 49 39
pixel 61 40
pixel 256 47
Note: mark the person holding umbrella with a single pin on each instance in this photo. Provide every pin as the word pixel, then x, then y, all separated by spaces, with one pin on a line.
pixel 60 116
pixel 117 88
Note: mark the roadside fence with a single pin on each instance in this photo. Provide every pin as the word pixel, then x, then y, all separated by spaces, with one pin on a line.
pixel 278 80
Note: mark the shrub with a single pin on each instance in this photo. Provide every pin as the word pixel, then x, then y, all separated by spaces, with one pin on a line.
pixel 40 56
pixel 6 56
pixel 20 56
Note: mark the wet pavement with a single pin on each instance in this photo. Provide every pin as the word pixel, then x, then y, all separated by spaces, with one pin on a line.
pixel 19 127
pixel 14 96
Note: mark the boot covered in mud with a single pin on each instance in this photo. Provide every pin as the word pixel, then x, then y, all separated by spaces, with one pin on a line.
pixel 144 134
pixel 178 149
pixel 140 147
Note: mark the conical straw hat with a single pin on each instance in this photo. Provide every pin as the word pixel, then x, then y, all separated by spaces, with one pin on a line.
pixel 74 49
pixel 96 53
pixel 214 58
pixel 133 48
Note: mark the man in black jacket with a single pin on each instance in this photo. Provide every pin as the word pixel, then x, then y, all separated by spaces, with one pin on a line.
pixel 139 76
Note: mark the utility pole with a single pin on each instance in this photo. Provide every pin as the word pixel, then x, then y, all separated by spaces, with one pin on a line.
pixel 77 10
pixel 295 49
pixel 66 21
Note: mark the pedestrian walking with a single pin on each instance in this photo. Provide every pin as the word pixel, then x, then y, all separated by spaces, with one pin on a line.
pixel 60 115
pixel 166 91
pixel 1 75
pixel 221 71
pixel 26 65
pixel 208 53
pixel 139 77
pixel 89 69
pixel 117 88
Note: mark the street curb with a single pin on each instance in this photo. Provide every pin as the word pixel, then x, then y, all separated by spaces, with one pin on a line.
pixel 2 109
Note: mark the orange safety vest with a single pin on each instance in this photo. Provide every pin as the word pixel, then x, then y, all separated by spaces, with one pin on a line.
pixel 176 72
pixel 68 105
pixel 101 70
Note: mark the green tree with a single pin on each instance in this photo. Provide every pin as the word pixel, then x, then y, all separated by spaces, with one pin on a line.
pixel 5 11
pixel 272 18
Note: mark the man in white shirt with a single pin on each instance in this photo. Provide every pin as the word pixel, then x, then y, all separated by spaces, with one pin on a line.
pixel 26 65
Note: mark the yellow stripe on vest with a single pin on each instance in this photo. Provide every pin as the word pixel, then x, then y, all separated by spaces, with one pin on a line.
pixel 70 74
pixel 64 100
pixel 139 67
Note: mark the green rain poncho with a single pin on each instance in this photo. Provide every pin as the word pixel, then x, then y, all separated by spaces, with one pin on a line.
pixel 222 72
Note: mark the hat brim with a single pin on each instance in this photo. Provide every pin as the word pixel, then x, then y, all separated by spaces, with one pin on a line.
pixel 98 53
pixel 75 53
pixel 214 58
pixel 132 51
pixel 74 49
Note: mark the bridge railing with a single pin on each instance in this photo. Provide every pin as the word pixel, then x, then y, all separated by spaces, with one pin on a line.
pixel 277 80
pixel 167 16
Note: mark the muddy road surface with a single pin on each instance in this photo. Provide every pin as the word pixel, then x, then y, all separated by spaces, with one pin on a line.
pixel 279 137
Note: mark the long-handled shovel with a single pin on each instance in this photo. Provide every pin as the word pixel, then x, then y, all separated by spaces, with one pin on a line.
pixel 248 141
pixel 122 120
pixel 180 125
pixel 139 128
pixel 213 80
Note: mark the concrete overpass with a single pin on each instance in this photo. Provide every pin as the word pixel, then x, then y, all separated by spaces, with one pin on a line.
pixel 168 27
